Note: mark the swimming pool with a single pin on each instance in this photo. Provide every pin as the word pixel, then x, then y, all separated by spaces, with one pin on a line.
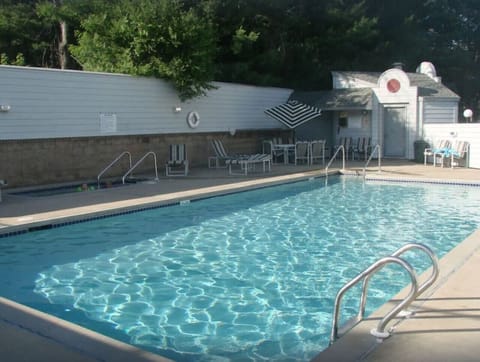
pixel 248 276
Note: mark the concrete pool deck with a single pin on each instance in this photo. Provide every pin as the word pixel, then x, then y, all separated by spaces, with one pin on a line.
pixel 445 325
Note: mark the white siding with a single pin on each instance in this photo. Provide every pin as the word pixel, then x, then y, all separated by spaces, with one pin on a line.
pixel 48 103
pixel 469 132
pixel 440 111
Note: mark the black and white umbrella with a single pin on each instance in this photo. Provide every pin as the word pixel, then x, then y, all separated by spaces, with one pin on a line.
pixel 293 113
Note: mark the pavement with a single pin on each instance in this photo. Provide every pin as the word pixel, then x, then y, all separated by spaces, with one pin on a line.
pixel 444 324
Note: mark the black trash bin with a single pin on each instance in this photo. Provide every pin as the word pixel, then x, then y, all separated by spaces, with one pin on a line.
pixel 419 148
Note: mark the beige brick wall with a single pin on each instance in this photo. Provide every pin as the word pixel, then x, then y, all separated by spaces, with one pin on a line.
pixel 46 161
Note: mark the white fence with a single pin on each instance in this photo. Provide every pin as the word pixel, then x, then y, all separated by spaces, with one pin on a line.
pixel 469 132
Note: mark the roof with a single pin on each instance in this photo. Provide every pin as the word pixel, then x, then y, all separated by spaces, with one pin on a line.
pixel 427 87
pixel 361 98
pixel 348 98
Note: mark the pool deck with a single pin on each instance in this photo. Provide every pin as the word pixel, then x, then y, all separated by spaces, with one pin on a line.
pixel 445 321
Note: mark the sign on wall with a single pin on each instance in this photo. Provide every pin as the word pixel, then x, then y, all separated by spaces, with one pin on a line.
pixel 108 123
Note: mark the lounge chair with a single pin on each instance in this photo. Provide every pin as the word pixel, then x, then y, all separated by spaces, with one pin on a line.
pixel 302 152
pixel 247 163
pixel 177 165
pixel 454 156
pixel 317 151
pixel 221 155
pixel 442 146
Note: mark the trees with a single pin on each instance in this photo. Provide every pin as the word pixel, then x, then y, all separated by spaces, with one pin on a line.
pixel 158 38
pixel 288 43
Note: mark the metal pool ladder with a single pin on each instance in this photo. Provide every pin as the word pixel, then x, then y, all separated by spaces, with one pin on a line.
pixel 124 153
pixel 340 148
pixel 151 153
pixel 378 149
pixel 365 276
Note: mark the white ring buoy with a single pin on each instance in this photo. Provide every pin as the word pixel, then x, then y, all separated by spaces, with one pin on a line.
pixel 193 119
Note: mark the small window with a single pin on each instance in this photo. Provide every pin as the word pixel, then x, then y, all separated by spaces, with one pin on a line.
pixel 343 119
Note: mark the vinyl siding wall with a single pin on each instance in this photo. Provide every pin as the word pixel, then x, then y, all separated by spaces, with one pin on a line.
pixel 52 103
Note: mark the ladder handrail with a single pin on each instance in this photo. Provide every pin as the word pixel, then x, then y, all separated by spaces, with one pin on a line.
pixel 139 162
pixel 426 284
pixel 378 149
pixel 370 270
pixel 341 147
pixel 114 162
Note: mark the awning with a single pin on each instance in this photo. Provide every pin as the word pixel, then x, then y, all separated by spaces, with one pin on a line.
pixel 293 113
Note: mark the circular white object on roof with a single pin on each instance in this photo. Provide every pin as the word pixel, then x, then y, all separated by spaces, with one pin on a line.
pixel 467 113
pixel 193 119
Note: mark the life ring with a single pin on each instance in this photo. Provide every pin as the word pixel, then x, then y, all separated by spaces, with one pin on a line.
pixel 193 119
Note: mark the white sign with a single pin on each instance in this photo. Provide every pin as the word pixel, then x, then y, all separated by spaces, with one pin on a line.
pixel 108 123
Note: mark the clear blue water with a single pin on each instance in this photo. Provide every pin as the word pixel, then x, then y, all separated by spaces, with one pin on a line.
pixel 249 276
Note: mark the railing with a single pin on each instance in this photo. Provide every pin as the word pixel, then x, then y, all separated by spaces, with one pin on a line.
pixel 340 148
pixel 415 290
pixel 124 153
pixel 139 162
pixel 378 149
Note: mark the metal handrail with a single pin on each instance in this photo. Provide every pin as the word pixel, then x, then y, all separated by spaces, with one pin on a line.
pixel 370 270
pixel 378 149
pixel 427 283
pixel 366 276
pixel 114 162
pixel 341 147
pixel 139 162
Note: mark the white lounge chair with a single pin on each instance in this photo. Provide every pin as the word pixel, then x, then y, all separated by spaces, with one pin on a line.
pixel 221 155
pixel 247 163
pixel 454 156
pixel 442 146
pixel 177 165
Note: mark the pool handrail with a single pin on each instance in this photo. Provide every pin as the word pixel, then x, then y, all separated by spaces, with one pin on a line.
pixel 124 153
pixel 370 270
pixel 415 290
pixel 139 162
pixel 342 148
pixel 378 149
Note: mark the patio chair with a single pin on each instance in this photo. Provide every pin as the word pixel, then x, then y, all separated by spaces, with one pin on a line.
pixel 302 152
pixel 362 147
pixel 177 165
pixel 454 156
pixel 317 151
pixel 442 146
pixel 270 147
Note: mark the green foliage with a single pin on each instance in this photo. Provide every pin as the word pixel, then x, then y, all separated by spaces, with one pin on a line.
pixel 159 39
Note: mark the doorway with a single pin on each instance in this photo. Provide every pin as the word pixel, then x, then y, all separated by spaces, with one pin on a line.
pixel 394 131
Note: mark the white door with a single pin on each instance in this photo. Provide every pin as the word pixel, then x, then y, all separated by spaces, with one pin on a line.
pixel 394 131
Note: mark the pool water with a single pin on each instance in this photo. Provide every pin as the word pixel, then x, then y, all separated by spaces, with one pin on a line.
pixel 250 276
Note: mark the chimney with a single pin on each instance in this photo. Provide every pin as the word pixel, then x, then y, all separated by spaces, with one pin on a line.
pixel 398 65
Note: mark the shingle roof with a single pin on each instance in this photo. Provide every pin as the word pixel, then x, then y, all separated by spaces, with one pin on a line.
pixel 350 98
pixel 361 98
pixel 427 87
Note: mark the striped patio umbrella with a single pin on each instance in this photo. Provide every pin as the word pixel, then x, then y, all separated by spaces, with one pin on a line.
pixel 293 113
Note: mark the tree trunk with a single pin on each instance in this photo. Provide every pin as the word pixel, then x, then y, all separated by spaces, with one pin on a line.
pixel 62 46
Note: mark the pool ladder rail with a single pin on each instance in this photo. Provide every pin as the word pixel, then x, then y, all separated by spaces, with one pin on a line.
pixel 366 275
pixel 150 153
pixel 111 164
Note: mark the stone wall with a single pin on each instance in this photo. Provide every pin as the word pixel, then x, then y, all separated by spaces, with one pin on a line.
pixel 45 161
